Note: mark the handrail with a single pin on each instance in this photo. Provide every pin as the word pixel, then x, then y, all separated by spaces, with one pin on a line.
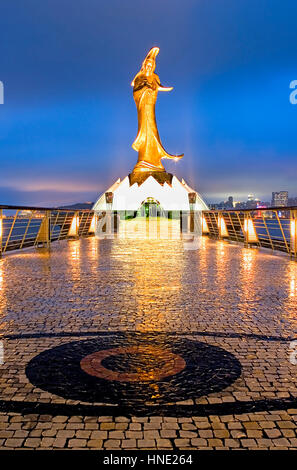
pixel 29 226
pixel 267 227
pixel 278 208
pixel 36 208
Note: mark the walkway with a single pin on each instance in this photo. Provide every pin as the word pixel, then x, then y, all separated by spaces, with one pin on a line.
pixel 144 344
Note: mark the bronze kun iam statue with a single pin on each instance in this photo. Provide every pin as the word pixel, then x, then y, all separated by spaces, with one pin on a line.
pixel 146 85
pixel 149 180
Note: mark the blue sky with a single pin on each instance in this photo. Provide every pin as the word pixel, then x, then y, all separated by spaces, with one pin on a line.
pixel 69 119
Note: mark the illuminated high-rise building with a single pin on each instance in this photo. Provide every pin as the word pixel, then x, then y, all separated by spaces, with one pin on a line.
pixel 279 199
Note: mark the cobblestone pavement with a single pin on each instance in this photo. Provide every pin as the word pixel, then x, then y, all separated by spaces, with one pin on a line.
pixel 137 344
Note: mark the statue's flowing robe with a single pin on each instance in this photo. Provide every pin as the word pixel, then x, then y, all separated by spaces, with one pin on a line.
pixel 148 143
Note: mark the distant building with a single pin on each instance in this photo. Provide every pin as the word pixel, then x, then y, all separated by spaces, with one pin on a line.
pixel 229 203
pixel 224 204
pixel 251 202
pixel 251 205
pixel 266 203
pixel 292 201
pixel 279 199
pixel 25 213
pixel 240 205
pixel 262 205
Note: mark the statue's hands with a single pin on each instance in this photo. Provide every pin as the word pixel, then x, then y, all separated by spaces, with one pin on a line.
pixel 164 88
pixel 175 158
pixel 142 82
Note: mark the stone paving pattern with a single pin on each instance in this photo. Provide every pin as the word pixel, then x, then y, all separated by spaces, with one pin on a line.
pixel 241 300
pixel 274 431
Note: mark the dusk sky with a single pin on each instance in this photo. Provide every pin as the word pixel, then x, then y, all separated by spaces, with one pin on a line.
pixel 69 119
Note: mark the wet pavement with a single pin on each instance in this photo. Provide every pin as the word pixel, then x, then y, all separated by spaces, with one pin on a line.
pixel 131 343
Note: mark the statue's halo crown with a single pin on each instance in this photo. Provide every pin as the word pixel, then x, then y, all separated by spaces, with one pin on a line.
pixel 152 54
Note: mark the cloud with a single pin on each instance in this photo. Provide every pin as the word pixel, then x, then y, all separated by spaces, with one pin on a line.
pixel 61 186
pixel 44 198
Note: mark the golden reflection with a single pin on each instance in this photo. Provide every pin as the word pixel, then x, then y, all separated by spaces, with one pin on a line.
pixel 293 287
pixel 292 279
pixel 3 296
pixel 221 265
pixel 147 362
pixel 247 259
pixel 290 302
pixel 43 259
pixel 246 281
pixel 1 278
pixel 93 249
pixel 155 391
pixel 221 252
pixel 204 264
pixel 150 228
pixel 74 250
pixel 93 254
pixel 74 260
pixel 220 256
pixel 154 269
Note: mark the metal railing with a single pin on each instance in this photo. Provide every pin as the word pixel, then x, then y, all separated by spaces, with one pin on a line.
pixel 24 226
pixel 274 228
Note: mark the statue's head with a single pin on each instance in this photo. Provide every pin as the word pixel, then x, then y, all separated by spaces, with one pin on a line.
pixel 148 66
pixel 149 63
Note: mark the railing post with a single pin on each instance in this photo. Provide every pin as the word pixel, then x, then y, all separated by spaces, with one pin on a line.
pixel 205 229
pixel 108 226
pixel 295 241
pixel 245 228
pixel 293 233
pixel 1 231
pixel 93 224
pixel 184 222
pixel 223 231
pixel 48 228
pixel 43 235
pixel 116 222
pixel 250 234
pixel 73 230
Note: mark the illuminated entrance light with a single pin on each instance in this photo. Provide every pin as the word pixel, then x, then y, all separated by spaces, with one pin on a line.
pixel 251 234
pixel 92 228
pixel 73 231
pixel 205 228
pixel 222 227
pixel 293 233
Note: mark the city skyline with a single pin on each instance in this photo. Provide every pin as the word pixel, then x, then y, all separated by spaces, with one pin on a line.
pixel 278 198
pixel 69 110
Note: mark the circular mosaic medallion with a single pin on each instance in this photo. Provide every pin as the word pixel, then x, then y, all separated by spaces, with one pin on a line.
pixel 127 369
pixel 171 364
